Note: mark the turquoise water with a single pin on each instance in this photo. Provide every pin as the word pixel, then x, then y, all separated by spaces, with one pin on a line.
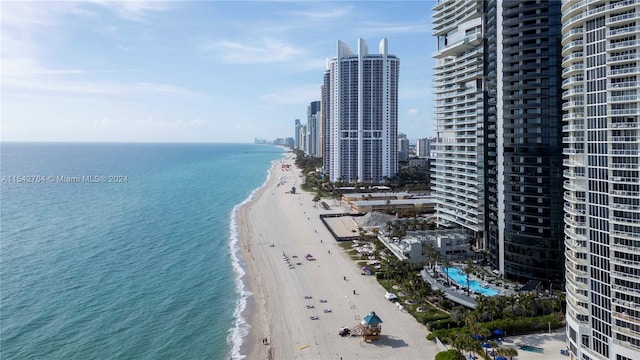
pixel 143 267
pixel 461 279
pixel 532 349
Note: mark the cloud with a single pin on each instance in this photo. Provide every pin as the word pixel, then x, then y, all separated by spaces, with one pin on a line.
pixel 134 10
pixel 390 28
pixel 332 14
pixel 59 85
pixel 266 51
pixel 300 95
pixel 413 112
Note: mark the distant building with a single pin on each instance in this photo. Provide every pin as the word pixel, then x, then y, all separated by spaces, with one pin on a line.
pixel 297 134
pixel 389 201
pixel 449 244
pixel 360 125
pixel 419 163
pixel 303 138
pixel 423 147
pixel 403 147
pixel 313 129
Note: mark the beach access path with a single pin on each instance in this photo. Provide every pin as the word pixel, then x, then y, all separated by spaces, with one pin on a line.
pixel 277 222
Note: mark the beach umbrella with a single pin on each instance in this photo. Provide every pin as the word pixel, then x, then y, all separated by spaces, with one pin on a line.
pixel 498 332
pixel 486 345
pixel 477 337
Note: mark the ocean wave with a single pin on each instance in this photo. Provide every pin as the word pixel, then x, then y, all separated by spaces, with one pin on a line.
pixel 241 327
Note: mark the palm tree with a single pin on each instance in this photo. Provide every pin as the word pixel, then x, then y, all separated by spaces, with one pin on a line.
pixel 432 255
pixel 457 314
pixel 468 270
pixel 316 199
pixel 446 264
pixel 528 304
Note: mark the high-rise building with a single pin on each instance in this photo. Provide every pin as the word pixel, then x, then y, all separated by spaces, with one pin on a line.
pixel 458 180
pixel 296 133
pixel 423 147
pixel 403 147
pixel 498 164
pixel 601 61
pixel 360 128
pixel 314 128
pixel 303 138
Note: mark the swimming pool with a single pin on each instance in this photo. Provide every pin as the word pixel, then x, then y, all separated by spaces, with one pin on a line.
pixel 460 278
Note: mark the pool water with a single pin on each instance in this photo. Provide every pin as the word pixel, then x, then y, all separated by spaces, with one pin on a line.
pixel 460 278
pixel 532 349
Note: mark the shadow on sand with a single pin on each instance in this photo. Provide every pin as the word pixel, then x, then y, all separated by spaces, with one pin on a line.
pixel 386 340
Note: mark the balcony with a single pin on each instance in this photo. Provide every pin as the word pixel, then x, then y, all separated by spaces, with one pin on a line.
pixel 623 31
pixel 572 33
pixel 625 125
pixel 625 235
pixel 577 238
pixel 623 71
pixel 628 18
pixel 570 70
pixel 625 57
pixel 624 85
pixel 627 249
pixel 571 104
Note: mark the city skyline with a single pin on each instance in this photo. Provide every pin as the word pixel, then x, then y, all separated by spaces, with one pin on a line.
pixel 192 71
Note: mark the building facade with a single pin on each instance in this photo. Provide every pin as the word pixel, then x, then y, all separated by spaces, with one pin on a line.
pixel 360 124
pixel 526 241
pixel 423 147
pixel 498 163
pixel 296 133
pixel 601 61
pixel 458 174
pixel 314 128
pixel 403 147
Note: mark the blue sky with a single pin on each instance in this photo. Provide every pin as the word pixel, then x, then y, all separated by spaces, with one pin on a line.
pixel 194 71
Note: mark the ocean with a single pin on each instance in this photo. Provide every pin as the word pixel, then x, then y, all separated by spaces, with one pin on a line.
pixel 124 251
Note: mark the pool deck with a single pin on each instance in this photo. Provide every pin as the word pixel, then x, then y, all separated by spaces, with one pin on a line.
pixel 552 343
pixel 458 296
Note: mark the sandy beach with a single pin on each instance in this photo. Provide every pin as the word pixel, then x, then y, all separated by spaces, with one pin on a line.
pixel 277 225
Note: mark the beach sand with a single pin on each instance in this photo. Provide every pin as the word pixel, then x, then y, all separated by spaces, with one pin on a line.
pixel 276 222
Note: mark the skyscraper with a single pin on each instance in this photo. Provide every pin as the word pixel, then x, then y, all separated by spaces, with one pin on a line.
pixel 313 128
pixel 498 156
pixel 403 147
pixel 601 52
pixel 360 128
pixel 296 144
pixel 458 181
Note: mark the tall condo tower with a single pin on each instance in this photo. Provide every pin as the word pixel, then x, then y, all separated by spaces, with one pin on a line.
pixel 601 61
pixel 296 144
pixel 458 184
pixel 313 128
pixel 498 163
pixel 360 114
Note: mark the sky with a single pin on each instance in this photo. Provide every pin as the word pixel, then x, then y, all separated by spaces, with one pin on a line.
pixel 194 71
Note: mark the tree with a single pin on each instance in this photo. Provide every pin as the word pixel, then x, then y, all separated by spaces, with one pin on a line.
pixel 432 255
pixel 316 199
pixel 449 355
pixel 446 264
pixel 468 270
